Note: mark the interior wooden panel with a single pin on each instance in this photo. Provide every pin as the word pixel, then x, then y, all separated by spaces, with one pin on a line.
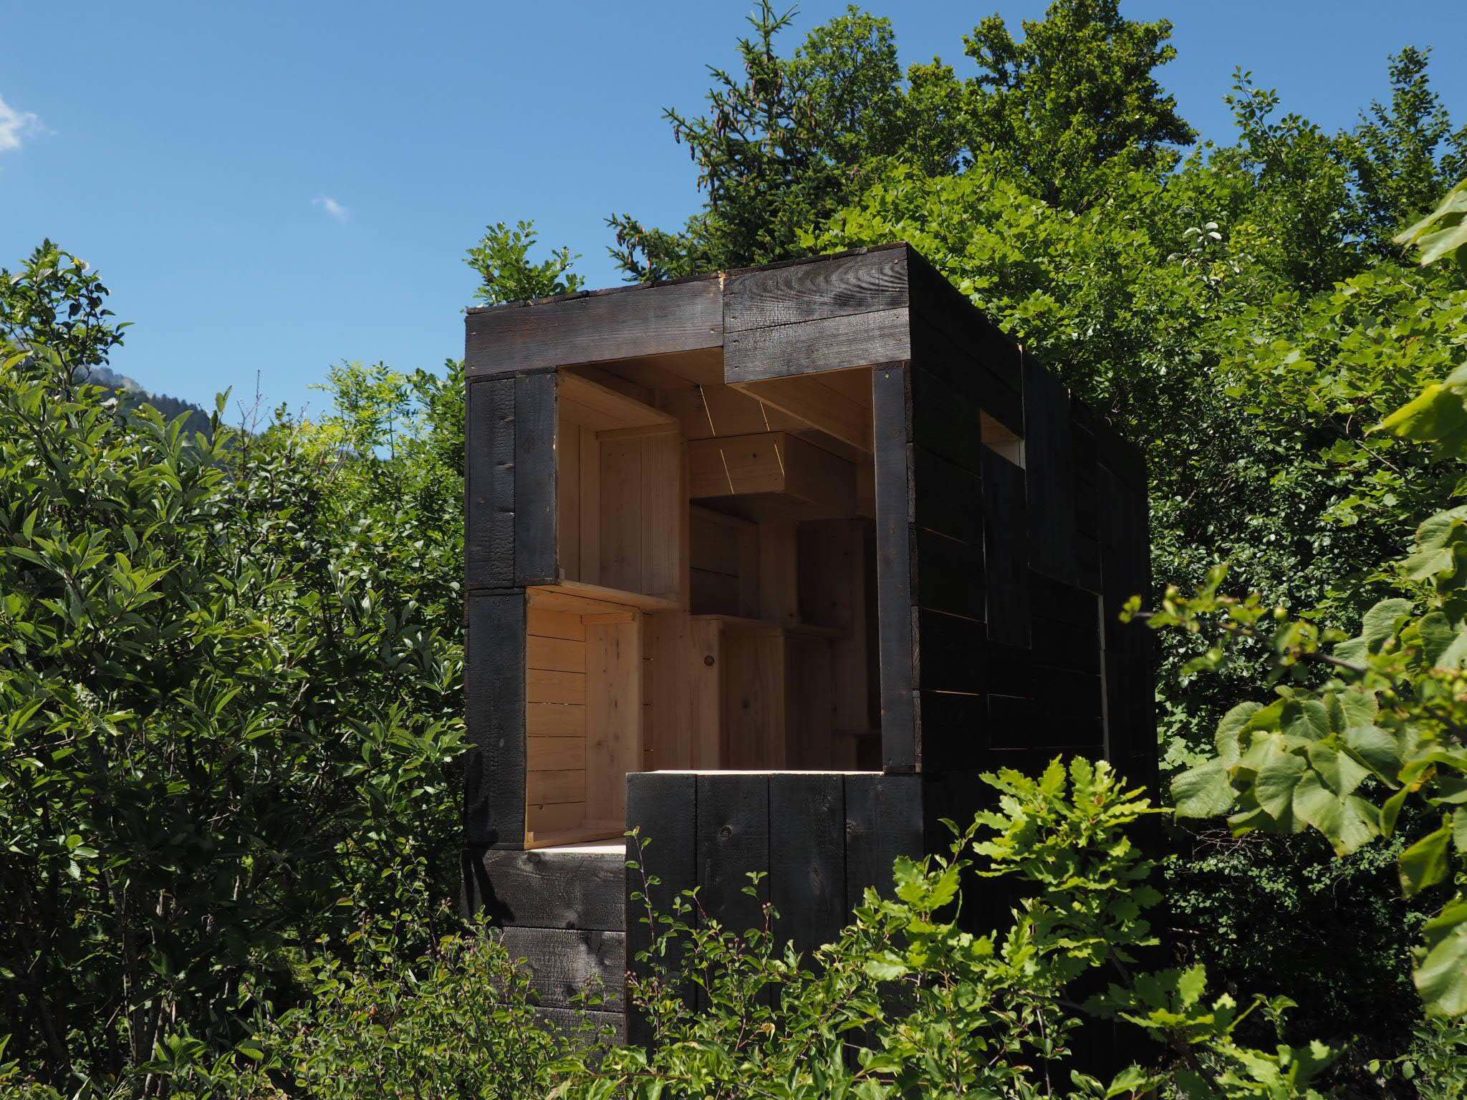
pixel 620 496
pixel 715 572
pixel 584 714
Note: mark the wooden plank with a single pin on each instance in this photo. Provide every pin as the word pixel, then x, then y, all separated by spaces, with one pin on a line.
pixel 1005 546
pixel 753 699
pixel 705 694
pixel 640 321
pixel 590 514
pixel 548 788
pixel 954 731
pixel 547 753
pixel 946 421
pixel 947 498
pixel 555 822
pixel 565 965
pixel 770 462
pixel 778 573
pixel 1049 464
pixel 613 715
pixel 941 306
pixel 820 406
pixel 893 567
pixel 807 857
pixel 883 821
pixel 809 702
pixel 550 889
pixel 494 677
pixel 555 720
pixel 584 1028
pixel 621 520
pixel 489 485
pixel 664 517
pixel 984 372
pixel 814 289
pixel 733 840
pixel 662 809
pixel 668 736
pixel 535 481
pixel 601 408
pixel 715 410
pixel 545 686
pixel 949 575
pixel 829 343
pixel 591 599
pixel 952 651
pixel 545 623
pixel 556 654
pixel 568 497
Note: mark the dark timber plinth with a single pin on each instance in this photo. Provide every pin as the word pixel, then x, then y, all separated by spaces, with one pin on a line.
pixel 769 565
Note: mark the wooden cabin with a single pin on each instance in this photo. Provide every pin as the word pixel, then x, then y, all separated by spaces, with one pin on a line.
pixel 768 565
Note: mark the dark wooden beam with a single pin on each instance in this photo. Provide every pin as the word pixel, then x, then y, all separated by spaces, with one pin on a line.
pixel 590 328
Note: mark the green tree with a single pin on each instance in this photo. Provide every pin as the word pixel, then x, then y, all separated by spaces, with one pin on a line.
pixel 1074 98
pixel 1363 726
pixel 227 716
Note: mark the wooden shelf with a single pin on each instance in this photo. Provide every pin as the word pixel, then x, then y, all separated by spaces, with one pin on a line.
pixel 591 830
pixel 573 595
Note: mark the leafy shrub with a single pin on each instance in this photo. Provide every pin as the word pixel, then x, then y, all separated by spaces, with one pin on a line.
pixel 454 1021
pixel 907 1002
pixel 226 717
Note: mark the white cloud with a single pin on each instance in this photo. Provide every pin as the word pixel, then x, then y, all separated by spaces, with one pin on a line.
pixel 334 209
pixel 15 127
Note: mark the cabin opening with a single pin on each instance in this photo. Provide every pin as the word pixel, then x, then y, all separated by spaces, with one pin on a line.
pixel 714 607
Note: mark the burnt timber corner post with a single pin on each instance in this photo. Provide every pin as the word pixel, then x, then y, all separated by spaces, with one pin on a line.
pixel 768 565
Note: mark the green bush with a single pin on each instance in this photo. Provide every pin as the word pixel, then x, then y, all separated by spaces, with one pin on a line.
pixel 229 700
pixel 908 1003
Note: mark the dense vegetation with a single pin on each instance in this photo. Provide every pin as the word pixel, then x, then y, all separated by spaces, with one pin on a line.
pixel 230 659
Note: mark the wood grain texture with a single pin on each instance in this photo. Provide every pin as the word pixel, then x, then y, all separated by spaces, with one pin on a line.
pixel 534 478
pixel 564 963
pixel 816 289
pixel 733 839
pixel 489 484
pixel 807 857
pixel 654 320
pixel 494 674
pixel 613 715
pixel 824 344
pixel 662 809
pixel 550 889
pixel 892 414
pixel 883 821
pixel 810 400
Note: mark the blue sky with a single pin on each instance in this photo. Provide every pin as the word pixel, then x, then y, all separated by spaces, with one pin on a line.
pixel 270 187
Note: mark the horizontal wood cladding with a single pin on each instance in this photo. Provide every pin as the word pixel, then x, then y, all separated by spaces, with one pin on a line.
pixel 643 321
pixel 567 964
pixel 548 889
pixel 825 344
pixel 816 290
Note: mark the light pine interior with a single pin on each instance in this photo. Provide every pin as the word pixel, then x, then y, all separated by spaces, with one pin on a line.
pixel 715 601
